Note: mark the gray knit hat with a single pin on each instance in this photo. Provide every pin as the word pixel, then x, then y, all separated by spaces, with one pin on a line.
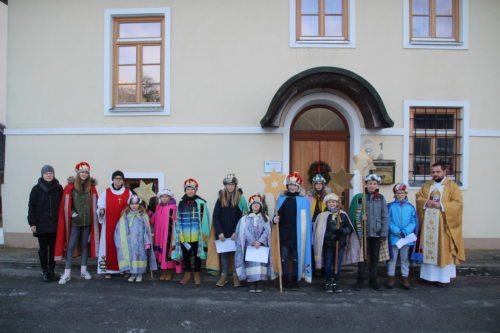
pixel 47 168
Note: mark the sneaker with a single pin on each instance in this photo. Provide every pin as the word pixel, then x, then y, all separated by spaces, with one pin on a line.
pixel 64 279
pixel 258 287
pixel 138 278
pixel 86 275
pixel 131 278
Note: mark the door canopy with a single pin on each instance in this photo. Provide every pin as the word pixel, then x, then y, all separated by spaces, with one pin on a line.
pixel 324 79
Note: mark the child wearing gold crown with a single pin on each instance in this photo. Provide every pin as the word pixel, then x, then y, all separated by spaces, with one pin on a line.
pixel 78 224
pixel 191 232
pixel 254 230
pixel 294 218
pixel 231 205
pixel 334 242
pixel 133 241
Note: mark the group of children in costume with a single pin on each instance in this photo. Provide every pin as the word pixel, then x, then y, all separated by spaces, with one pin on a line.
pixel 183 234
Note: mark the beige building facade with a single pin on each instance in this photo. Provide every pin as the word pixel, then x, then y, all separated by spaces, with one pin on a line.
pixel 239 84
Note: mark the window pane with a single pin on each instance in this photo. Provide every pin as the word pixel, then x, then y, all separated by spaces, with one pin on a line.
pixel 444 27
pixel 444 7
pixel 420 26
pixel 140 30
pixel 333 6
pixel 422 156
pixel 310 26
pixel 445 147
pixel 151 74
pixel 309 7
pixel 126 55
pixel 420 7
pixel 126 94
pixel 126 74
pixel 151 93
pixel 333 26
pixel 434 121
pixel 151 55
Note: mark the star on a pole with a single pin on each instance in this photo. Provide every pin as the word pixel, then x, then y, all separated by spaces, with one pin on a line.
pixel 364 162
pixel 274 183
pixel 145 191
pixel 341 179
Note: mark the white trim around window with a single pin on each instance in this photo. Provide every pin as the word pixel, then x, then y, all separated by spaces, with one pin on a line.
pixel 138 110
pixel 351 43
pixel 463 43
pixel 464 105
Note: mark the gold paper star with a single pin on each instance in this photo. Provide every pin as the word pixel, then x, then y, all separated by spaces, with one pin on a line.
pixel 341 180
pixel 145 191
pixel 364 162
pixel 274 183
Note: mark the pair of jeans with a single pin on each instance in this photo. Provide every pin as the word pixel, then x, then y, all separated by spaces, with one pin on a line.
pixel 329 261
pixel 78 234
pixel 289 253
pixel 187 254
pixel 373 247
pixel 405 261
pixel 224 262
pixel 46 244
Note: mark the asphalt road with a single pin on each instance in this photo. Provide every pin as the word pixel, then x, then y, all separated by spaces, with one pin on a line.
pixel 471 304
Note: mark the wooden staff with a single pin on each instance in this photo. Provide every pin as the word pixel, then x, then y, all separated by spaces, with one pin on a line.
pixel 277 230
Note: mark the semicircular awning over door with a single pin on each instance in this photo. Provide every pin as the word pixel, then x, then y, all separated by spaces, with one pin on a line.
pixel 330 79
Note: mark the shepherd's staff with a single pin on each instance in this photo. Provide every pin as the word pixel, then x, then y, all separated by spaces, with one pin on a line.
pixel 274 185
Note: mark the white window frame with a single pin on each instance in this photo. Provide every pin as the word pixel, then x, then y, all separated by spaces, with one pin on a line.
pixel 463 31
pixel 464 106
pixel 351 43
pixel 137 109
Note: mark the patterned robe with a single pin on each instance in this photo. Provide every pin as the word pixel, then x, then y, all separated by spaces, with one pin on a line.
pixel 251 228
pixel 132 234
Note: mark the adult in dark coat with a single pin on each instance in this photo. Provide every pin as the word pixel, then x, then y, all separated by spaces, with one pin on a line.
pixel 43 213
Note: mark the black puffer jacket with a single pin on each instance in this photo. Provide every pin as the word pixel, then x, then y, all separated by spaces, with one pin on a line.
pixel 43 206
pixel 225 219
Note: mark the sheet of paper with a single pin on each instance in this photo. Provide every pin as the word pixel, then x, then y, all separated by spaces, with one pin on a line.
pixel 225 246
pixel 187 246
pixel 408 239
pixel 257 255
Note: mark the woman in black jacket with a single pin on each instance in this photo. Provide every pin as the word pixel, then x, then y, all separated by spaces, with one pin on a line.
pixel 43 214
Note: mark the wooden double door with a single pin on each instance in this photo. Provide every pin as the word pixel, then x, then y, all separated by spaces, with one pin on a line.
pixel 319 134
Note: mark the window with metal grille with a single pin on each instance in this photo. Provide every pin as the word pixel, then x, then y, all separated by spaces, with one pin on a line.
pixel 435 136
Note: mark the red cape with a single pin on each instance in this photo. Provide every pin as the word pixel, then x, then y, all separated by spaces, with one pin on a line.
pixel 64 225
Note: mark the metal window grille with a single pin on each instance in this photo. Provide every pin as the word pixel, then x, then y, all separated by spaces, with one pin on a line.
pixel 435 136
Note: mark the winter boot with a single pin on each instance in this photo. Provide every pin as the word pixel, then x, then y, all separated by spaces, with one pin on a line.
pixel 44 266
pixel 169 275
pixel 405 282
pixel 236 281
pixel 186 278
pixel 197 278
pixel 328 286
pixel 52 271
pixel 375 285
pixel 391 281
pixel 294 284
pixel 222 280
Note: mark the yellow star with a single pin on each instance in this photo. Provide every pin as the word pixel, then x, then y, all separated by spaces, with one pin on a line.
pixel 274 183
pixel 341 180
pixel 145 191
pixel 364 162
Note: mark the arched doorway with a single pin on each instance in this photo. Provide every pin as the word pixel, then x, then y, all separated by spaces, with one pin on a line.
pixel 319 133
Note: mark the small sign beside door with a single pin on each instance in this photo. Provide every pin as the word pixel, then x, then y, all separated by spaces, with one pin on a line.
pixel 269 166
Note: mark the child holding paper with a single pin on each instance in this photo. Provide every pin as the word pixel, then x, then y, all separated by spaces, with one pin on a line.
pixel 229 208
pixel 253 230
pixel 402 222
